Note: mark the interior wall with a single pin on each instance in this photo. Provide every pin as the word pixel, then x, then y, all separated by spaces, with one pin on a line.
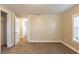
pixel 67 26
pixel 45 28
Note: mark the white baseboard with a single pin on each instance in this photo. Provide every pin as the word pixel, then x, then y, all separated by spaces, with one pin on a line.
pixel 74 49
pixel 43 41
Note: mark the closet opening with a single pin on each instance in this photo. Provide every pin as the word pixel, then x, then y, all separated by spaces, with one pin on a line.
pixel 3 30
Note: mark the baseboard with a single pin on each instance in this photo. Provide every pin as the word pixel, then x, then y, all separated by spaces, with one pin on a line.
pixel 74 49
pixel 43 41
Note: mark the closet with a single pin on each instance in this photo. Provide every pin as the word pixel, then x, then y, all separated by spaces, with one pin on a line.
pixel 3 28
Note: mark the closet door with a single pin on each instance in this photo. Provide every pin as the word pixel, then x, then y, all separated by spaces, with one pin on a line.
pixel 45 28
pixel 38 28
pixel 54 28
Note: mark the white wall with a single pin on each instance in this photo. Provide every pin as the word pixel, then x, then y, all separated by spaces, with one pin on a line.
pixel 67 27
pixel 45 28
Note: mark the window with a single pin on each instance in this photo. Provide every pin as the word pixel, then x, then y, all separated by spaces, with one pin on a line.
pixel 76 28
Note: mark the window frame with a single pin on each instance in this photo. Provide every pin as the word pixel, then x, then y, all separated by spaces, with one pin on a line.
pixel 75 41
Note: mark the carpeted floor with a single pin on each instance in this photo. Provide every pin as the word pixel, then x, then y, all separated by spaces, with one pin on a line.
pixel 24 47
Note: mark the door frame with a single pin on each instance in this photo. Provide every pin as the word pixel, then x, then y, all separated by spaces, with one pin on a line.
pixel 8 26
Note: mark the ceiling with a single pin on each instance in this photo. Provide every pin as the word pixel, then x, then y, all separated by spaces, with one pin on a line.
pixel 25 9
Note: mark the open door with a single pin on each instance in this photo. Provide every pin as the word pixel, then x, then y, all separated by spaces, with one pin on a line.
pixel 17 27
pixel 10 31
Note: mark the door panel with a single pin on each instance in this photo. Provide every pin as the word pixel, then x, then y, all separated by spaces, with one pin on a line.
pixel 16 30
pixel 10 31
pixel 39 28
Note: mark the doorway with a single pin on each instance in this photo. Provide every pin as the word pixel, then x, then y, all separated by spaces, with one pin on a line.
pixel 25 28
pixel 3 29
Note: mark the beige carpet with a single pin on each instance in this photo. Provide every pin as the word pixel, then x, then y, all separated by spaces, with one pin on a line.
pixel 24 47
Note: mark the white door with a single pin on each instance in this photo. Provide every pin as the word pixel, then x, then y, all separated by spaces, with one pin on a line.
pixel 16 30
pixel 9 41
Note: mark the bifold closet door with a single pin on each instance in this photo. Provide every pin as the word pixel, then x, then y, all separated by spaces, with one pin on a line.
pixel 54 26
pixel 45 28
pixel 38 28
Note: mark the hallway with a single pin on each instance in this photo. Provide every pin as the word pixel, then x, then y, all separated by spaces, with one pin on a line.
pixel 24 47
